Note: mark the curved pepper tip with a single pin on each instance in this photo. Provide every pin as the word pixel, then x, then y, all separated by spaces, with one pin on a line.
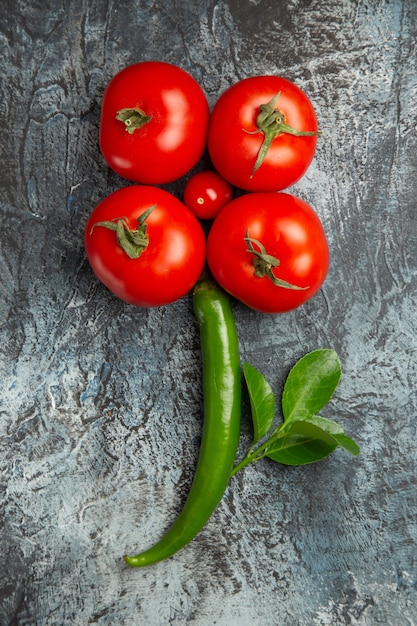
pixel 131 560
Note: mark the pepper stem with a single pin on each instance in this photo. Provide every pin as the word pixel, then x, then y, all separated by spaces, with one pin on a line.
pixel 132 241
pixel 133 119
pixel 271 122
pixel 264 263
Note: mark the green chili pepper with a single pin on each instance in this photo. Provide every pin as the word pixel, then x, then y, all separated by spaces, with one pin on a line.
pixel 222 409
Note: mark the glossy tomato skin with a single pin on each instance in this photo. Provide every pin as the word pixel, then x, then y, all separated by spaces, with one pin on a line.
pixel 173 260
pixel 289 229
pixel 206 193
pixel 233 147
pixel 171 143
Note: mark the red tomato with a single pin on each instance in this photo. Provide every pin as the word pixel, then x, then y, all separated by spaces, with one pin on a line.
pixel 154 122
pixel 168 238
pixel 269 251
pixel 206 193
pixel 256 112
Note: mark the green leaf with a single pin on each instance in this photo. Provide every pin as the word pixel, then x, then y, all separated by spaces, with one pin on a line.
pixel 301 443
pixel 310 384
pixel 334 429
pixel 262 401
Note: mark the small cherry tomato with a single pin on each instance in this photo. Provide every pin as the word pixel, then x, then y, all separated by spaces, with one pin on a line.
pixel 206 193
pixel 262 134
pixel 145 245
pixel 154 122
pixel 269 251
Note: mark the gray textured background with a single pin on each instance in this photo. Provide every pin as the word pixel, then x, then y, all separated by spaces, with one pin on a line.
pixel 101 403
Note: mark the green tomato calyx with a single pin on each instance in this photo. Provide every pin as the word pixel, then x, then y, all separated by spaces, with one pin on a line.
pixel 132 241
pixel 271 122
pixel 133 119
pixel 265 263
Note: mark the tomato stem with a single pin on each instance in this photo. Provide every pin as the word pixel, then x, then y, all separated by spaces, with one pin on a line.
pixel 132 241
pixel 264 263
pixel 271 122
pixel 133 118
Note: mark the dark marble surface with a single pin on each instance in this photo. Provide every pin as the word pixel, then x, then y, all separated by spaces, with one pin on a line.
pixel 101 402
